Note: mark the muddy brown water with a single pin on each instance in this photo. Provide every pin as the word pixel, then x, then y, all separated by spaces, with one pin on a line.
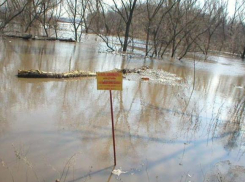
pixel 61 128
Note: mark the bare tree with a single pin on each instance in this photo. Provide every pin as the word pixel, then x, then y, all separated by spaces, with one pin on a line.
pixel 213 18
pixel 85 6
pixel 46 6
pixel 153 7
pixel 242 22
pixel 77 11
pixel 73 9
pixel 209 20
pixel 100 24
pixel 236 29
pixel 159 30
pixel 57 13
pixel 126 12
pixel 51 13
pixel 179 24
pixel 11 10
pixel 32 13
pixel 165 26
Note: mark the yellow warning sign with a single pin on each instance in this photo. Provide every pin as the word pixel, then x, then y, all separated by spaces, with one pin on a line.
pixel 109 81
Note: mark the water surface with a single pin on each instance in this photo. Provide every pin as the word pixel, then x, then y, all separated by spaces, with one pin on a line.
pixel 61 128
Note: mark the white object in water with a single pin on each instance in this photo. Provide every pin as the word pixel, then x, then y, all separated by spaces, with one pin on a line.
pixel 240 87
pixel 243 128
pixel 118 172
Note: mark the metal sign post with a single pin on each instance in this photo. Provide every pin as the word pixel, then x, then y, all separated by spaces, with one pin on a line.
pixel 113 135
pixel 110 81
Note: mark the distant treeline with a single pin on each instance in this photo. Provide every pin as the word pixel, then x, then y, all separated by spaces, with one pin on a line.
pixel 174 27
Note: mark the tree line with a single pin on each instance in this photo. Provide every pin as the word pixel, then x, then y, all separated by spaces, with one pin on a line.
pixel 174 27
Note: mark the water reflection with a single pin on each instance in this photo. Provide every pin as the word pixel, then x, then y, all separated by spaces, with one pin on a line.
pixel 152 121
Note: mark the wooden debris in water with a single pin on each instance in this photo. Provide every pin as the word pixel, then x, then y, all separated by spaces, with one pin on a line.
pixel 145 79
pixel 143 73
pixel 43 74
pixel 135 70
pixel 153 75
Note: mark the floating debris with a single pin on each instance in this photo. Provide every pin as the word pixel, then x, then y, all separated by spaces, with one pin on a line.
pixel 243 128
pixel 153 76
pixel 143 73
pixel 145 78
pixel 43 74
pixel 118 172
pixel 239 87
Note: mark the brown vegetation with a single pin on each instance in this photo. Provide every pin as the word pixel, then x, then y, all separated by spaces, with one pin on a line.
pixel 174 27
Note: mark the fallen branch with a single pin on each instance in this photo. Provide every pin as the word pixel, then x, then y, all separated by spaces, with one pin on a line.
pixel 43 74
pixel 29 36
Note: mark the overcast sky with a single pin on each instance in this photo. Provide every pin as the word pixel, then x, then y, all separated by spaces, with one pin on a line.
pixel 231 6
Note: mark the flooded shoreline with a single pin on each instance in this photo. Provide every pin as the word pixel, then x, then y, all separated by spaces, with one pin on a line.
pixel 52 127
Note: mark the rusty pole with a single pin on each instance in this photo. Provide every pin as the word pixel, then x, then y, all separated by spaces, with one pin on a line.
pixel 113 135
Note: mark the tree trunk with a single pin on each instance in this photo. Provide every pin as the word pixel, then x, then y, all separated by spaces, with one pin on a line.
pixel 125 44
pixel 74 20
pixel 56 32
pixel 173 48
pixel 86 26
pixel 147 40
pixel 44 20
pixel 75 31
pixel 243 54
pixel 46 31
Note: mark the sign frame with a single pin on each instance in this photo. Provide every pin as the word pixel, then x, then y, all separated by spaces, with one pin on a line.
pixel 109 80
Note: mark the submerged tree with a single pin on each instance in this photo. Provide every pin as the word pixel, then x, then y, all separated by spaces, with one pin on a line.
pixel 126 11
pixel 162 27
pixel 11 10
pixel 48 8
pixel 73 8
pixel 152 9
pixel 77 11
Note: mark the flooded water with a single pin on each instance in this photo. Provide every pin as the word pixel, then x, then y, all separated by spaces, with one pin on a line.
pixel 61 128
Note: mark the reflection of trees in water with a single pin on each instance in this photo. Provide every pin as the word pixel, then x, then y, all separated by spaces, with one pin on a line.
pixel 143 111
pixel 3 124
pixel 234 124
pixel 191 122
pixel 214 112
pixel 8 58
pixel 238 111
